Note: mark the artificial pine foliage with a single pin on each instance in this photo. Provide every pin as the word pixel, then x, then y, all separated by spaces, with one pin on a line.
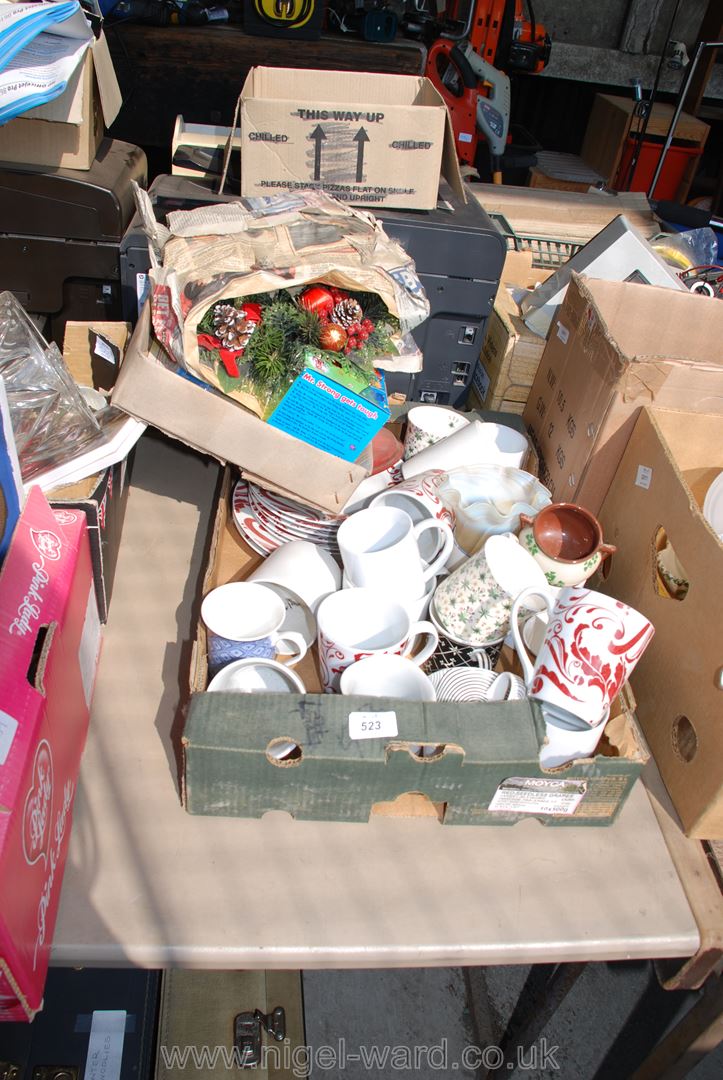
pixel 275 353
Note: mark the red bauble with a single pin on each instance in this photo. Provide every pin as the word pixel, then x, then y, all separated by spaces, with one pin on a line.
pixel 332 337
pixel 317 298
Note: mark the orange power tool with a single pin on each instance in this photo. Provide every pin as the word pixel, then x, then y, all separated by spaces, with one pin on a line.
pixel 469 64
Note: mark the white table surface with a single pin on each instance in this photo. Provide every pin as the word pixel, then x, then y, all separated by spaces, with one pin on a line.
pixel 148 884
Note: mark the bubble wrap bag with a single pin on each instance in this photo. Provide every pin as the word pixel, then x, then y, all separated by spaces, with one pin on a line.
pixel 50 420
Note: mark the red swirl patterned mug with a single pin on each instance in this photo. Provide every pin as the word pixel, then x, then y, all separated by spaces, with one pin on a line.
pixel 591 646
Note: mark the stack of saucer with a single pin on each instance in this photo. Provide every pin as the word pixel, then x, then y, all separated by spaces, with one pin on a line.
pixel 267 520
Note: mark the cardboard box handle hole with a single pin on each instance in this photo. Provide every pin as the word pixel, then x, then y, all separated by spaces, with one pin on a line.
pixel 425 752
pixel 669 574
pixel 685 739
pixel 284 752
pixel 39 658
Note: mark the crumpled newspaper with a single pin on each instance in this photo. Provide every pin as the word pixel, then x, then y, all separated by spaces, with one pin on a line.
pixel 259 245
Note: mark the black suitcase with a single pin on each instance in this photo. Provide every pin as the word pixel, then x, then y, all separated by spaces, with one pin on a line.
pixel 95 1024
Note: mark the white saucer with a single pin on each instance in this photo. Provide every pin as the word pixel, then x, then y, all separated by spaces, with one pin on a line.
pixel 713 505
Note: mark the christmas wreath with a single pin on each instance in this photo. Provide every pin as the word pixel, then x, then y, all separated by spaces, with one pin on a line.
pixel 262 343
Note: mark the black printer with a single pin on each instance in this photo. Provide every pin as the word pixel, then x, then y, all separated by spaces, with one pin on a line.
pixel 60 235
pixel 458 253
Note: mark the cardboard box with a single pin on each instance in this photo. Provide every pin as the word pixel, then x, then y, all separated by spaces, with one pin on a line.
pixel 371 139
pixel 485 771
pixel 511 352
pixel 150 388
pixel 92 352
pixel 613 348
pixel 49 645
pixel 11 484
pixel 655 503
pixel 103 499
pixel 509 360
pixel 66 133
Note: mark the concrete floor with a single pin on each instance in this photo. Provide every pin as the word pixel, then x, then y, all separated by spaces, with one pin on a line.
pixel 379 1020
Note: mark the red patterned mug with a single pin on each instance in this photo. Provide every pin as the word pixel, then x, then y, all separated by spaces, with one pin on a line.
pixel 591 646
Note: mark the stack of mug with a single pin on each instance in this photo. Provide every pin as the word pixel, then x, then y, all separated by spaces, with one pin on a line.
pixel 591 644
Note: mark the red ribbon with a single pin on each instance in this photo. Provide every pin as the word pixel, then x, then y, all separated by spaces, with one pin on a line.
pixel 228 357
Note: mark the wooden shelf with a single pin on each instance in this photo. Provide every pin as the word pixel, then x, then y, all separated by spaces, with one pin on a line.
pixel 198 71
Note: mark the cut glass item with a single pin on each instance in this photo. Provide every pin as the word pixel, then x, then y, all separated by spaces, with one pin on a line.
pixel 51 421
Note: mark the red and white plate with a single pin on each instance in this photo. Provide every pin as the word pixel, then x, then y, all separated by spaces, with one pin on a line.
pixel 266 521
pixel 252 531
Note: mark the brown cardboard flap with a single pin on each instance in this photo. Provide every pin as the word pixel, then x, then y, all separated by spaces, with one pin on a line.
pixel 647 322
pixel 151 390
pixel 111 98
pixel 74 104
pixel 77 345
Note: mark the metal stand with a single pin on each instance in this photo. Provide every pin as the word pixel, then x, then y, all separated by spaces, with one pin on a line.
pixel 702 45
pixel 545 989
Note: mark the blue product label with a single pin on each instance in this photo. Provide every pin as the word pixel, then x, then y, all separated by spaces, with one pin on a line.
pixel 321 412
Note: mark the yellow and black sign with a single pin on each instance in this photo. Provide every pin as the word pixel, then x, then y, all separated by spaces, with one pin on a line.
pixel 286 14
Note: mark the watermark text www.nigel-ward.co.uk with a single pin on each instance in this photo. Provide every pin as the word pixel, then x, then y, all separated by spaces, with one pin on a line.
pixel 309 1061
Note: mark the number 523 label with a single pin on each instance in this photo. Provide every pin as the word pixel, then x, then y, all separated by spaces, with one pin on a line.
pixel 372 725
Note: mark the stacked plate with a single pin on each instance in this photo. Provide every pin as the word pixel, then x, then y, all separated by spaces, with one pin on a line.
pixel 267 520
pixel 713 505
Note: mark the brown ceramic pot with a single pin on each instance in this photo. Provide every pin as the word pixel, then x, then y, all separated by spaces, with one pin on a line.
pixel 567 532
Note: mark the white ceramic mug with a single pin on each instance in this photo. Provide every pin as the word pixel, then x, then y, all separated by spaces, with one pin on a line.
pixel 380 549
pixel 302 574
pixel 478 443
pixel 303 568
pixel 562 745
pixel 591 645
pixel 473 604
pixel 387 676
pixel 417 606
pixel 243 620
pixel 257 676
pixel 355 623
pixel 428 424
pixel 418 497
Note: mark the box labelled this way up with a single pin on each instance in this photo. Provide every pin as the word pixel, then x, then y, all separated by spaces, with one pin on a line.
pixel 374 140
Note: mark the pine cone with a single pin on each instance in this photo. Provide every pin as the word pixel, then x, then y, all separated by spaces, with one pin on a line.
pixel 347 312
pixel 232 326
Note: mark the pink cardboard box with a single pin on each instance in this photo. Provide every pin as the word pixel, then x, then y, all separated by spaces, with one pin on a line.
pixel 49 646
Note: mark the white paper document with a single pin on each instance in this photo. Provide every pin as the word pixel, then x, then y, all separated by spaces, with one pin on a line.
pixel 41 45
